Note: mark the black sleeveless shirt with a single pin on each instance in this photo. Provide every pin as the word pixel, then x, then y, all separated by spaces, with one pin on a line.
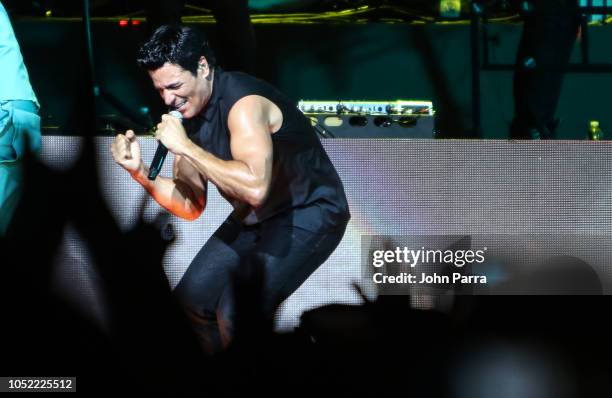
pixel 305 187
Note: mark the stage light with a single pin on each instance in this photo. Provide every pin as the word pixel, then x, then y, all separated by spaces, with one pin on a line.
pixel 123 23
pixel 48 13
pixel 135 22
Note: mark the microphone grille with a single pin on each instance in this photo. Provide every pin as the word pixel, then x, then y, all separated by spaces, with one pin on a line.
pixel 176 114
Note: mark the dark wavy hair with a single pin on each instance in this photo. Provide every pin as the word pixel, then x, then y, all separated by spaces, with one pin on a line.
pixel 175 44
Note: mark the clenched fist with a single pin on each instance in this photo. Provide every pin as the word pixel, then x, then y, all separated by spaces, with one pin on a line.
pixel 126 151
pixel 171 133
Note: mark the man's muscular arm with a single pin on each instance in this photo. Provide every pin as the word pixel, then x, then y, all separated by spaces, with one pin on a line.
pixel 246 177
pixel 184 195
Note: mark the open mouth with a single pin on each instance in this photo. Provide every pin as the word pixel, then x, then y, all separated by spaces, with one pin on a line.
pixel 179 105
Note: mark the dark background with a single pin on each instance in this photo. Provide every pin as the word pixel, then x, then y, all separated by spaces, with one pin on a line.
pixel 368 61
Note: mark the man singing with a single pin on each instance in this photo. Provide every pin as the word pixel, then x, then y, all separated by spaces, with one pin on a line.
pixel 253 144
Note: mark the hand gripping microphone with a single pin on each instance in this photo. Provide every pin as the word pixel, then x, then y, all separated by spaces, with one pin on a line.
pixel 161 152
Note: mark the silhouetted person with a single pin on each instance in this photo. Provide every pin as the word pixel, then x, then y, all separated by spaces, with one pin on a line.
pixel 236 49
pixel 549 33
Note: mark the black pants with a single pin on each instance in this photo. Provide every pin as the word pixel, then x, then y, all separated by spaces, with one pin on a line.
pixel 287 254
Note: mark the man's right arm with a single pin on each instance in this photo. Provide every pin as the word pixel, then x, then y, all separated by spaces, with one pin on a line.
pixel 184 195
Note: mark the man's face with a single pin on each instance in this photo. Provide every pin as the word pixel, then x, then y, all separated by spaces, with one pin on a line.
pixel 181 90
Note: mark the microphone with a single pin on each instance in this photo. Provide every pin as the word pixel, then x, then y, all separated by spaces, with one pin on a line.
pixel 161 152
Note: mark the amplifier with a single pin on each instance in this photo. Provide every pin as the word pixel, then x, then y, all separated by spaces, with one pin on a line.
pixel 371 119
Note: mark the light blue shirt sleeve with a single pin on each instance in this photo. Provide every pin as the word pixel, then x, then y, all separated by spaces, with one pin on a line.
pixel 14 79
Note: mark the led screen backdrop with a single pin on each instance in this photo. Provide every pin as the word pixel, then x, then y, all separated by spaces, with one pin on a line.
pixel 519 199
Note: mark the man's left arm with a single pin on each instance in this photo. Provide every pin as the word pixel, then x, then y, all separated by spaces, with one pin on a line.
pixel 246 177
